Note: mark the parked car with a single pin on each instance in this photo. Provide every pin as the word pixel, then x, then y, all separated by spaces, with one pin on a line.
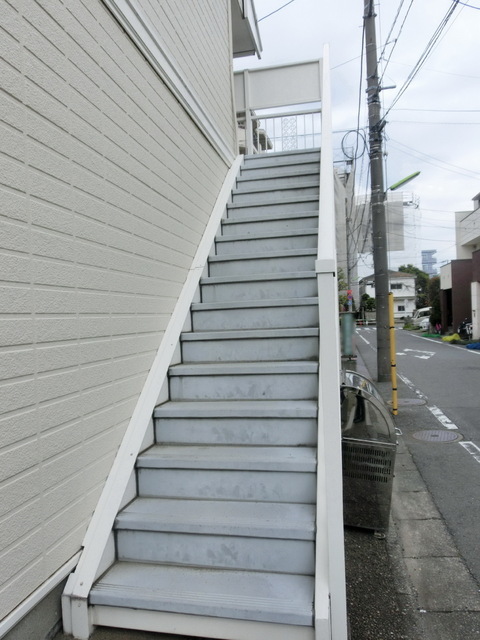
pixel 424 323
pixel 421 314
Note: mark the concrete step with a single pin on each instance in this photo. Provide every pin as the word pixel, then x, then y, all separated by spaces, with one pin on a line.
pixel 276 222
pixel 242 595
pixel 237 422
pixel 284 158
pixel 290 175
pixel 266 241
pixel 249 536
pixel 295 380
pixel 274 286
pixel 283 261
pixel 255 314
pixel 249 473
pixel 293 204
pixel 250 345
pixel 259 194
pixel 271 170
pixel 220 517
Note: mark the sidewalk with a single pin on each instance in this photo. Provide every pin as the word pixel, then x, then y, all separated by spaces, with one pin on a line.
pixel 418 587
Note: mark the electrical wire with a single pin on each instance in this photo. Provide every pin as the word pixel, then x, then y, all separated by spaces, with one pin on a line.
pixel 397 38
pixel 421 155
pixel 429 122
pixel 446 73
pixel 467 5
pixel 276 10
pixel 439 110
pixel 423 57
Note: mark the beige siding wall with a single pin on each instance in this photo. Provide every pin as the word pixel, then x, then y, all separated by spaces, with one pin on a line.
pixel 106 186
pixel 188 30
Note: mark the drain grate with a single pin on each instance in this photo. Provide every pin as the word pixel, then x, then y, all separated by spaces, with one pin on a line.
pixel 437 435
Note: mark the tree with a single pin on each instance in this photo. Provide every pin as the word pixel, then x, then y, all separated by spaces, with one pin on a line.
pixel 434 300
pixel 421 284
pixel 368 303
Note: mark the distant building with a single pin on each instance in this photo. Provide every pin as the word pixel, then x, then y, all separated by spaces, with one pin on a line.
pixel 402 285
pixel 460 279
pixel 428 262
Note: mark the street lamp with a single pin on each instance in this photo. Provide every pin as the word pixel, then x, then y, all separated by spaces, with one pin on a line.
pixel 403 181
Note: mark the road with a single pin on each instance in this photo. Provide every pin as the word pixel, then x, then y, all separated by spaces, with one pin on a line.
pixel 446 379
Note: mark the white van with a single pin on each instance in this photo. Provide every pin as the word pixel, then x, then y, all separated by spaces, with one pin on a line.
pixel 420 314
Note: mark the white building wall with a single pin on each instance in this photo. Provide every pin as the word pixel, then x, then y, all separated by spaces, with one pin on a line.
pixel 106 186
pixel 475 290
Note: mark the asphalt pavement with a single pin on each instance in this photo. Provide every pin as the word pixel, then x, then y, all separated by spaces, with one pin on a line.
pixel 413 584
pixel 426 590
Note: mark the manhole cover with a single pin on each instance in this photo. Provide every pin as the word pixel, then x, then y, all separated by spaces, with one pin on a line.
pixel 437 435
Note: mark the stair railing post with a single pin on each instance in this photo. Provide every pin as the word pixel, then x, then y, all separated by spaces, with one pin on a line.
pixel 249 147
pixel 330 552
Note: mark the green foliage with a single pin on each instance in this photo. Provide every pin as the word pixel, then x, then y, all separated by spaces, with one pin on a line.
pixel 368 303
pixel 342 281
pixel 421 284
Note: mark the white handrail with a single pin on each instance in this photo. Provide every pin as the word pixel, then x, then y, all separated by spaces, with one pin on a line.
pixel 96 539
pixel 330 549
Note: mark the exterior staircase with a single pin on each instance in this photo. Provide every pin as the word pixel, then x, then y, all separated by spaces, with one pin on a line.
pixel 220 541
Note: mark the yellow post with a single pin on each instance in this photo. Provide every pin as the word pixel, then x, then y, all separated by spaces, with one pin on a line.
pixel 393 354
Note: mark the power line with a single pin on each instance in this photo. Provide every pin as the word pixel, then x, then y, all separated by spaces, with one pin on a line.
pixel 429 122
pixel 397 38
pixel 423 57
pixel 446 73
pixel 467 5
pixel 439 110
pixel 347 61
pixel 421 155
pixel 276 10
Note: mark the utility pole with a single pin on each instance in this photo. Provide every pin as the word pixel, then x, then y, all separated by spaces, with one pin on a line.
pixel 377 198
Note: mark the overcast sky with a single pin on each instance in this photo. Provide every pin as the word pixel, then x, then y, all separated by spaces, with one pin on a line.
pixel 433 128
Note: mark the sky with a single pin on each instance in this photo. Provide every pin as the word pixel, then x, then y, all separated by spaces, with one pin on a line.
pixel 433 127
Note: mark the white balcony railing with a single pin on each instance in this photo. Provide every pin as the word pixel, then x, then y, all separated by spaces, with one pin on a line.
pixel 292 87
pixel 284 131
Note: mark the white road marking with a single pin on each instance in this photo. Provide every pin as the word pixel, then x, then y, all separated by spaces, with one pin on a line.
pixel 364 339
pixel 441 417
pixel 435 411
pixel 472 449
pixel 447 344
pixel 425 355
pixel 411 386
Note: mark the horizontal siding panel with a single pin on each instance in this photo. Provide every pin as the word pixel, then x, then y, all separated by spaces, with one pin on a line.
pixel 106 186
pixel 17 363
pixel 20 523
pixel 21 489
pixel 18 458
pixel 14 427
pixel 26 581
pixel 15 300
pixel 21 554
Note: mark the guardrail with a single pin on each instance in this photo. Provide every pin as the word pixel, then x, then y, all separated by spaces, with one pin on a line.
pixel 284 131
pixel 258 92
pixel 329 475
